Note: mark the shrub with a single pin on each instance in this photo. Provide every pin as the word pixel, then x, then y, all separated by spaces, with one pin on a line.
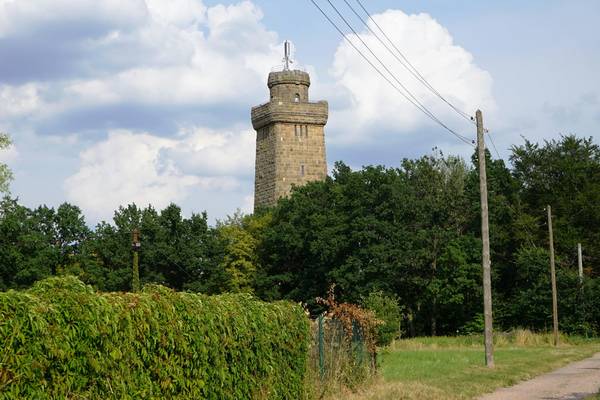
pixel 60 339
pixel 476 325
pixel 388 311
pixel 344 350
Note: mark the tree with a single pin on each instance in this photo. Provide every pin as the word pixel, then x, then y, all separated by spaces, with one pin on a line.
pixel 388 311
pixel 239 236
pixel 35 244
pixel 564 173
pixel 410 234
pixel 303 241
pixel 5 173
pixel 399 231
pixel 436 218
pixel 178 252
pixel 22 250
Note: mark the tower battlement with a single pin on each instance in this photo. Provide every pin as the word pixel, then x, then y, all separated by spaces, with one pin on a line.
pixel 290 137
pixel 289 86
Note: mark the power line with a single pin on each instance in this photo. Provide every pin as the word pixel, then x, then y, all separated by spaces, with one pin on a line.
pixel 415 102
pixel 182 269
pixel 406 63
pixel 377 58
pixel 493 145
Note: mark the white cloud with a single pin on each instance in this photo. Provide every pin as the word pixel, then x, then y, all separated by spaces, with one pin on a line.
pixel 142 168
pixel 9 155
pixel 177 12
pixel 27 16
pixel 248 206
pixel 16 101
pixel 229 63
pixel 86 67
pixel 173 53
pixel 373 105
pixel 126 168
pixel 208 152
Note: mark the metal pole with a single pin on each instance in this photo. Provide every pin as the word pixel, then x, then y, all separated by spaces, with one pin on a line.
pixel 485 237
pixel 553 276
pixel 580 263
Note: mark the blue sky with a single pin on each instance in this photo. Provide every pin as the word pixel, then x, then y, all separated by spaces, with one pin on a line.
pixel 147 101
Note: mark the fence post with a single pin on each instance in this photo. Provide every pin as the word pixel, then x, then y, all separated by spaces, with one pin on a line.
pixel 358 343
pixel 321 347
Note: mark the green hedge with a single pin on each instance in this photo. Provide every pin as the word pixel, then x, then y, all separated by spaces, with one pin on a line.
pixel 61 339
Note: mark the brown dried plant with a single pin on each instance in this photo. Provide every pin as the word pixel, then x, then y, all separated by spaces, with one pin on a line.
pixel 348 314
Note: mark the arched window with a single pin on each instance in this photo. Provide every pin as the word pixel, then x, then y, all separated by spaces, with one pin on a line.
pixel 302 170
pixel 297 98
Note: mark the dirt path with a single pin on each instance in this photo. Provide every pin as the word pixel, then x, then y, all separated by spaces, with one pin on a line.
pixel 576 381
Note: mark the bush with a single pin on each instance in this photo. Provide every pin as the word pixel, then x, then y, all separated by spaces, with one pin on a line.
pixel 63 340
pixel 388 311
pixel 476 325
pixel 344 351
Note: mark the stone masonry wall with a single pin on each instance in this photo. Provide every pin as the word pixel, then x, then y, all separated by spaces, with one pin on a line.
pixel 289 86
pixel 264 169
pixel 290 141
pixel 299 155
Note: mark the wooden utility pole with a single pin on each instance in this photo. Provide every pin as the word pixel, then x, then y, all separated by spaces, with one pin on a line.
pixel 580 263
pixel 135 246
pixel 485 237
pixel 553 276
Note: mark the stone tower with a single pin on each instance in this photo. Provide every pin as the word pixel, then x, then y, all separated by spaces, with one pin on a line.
pixel 290 137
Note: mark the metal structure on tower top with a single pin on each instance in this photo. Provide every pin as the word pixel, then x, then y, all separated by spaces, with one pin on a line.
pixel 287 59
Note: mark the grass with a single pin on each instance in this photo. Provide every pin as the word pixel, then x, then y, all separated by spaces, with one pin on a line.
pixel 453 368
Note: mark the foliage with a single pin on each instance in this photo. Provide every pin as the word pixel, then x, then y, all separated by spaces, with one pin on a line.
pixel 344 363
pixel 564 173
pixel 6 174
pixel 343 351
pixel 476 325
pixel 35 244
pixel 412 232
pixel 179 252
pixel 388 311
pixel 61 339
pixel 401 231
pixel 352 316
pixel 239 236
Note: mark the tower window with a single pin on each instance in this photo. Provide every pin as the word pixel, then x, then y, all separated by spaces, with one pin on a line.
pixel 297 130
pixel 297 98
pixel 301 170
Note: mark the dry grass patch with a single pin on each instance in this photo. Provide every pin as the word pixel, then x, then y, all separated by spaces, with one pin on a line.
pixel 382 390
